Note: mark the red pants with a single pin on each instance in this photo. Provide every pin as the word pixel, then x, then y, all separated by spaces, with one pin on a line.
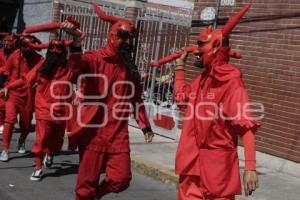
pixel 190 188
pixel 2 116
pixel 49 139
pixel 118 174
pixel 2 111
pixel 12 109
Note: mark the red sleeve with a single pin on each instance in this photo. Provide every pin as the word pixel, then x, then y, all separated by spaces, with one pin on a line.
pixel 82 63
pixel 139 109
pixel 237 108
pixel 31 76
pixel 2 59
pixel 6 69
pixel 249 150
pixel 75 61
pixel 181 90
pixel 16 84
pixel 88 59
pixel 29 79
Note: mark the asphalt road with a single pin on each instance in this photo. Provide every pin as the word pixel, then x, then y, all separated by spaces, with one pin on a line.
pixel 58 183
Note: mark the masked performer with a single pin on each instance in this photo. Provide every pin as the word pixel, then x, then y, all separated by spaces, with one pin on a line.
pixel 20 101
pixel 53 77
pixel 9 45
pixel 107 145
pixel 216 112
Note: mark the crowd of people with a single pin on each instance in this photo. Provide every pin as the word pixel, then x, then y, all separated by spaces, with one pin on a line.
pixel 109 90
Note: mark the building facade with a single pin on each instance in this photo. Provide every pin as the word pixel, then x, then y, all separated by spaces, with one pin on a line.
pixel 268 39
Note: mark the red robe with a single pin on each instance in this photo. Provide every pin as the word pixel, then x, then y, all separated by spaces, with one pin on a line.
pixel 208 146
pixel 15 68
pixel 3 59
pixel 51 100
pixel 19 101
pixel 113 136
pixel 105 147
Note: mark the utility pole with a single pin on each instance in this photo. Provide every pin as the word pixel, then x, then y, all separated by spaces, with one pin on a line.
pixel 218 3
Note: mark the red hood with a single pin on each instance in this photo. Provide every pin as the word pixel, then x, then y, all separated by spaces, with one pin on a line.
pixel 221 69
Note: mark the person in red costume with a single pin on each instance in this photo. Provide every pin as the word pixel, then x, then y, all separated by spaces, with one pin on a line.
pixel 49 104
pixel 106 146
pixel 20 101
pixel 9 45
pixel 51 77
pixel 216 113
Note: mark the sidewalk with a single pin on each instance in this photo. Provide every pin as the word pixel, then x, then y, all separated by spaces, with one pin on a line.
pixel 157 161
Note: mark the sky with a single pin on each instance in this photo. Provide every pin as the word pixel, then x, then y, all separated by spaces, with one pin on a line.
pixel 177 3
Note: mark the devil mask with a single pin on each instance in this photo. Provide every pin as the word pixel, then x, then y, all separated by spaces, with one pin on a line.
pixel 121 37
pixel 26 49
pixel 56 56
pixel 210 41
pixel 121 34
pixel 9 44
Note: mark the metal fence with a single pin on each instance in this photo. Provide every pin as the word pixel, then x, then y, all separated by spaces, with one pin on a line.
pixel 161 32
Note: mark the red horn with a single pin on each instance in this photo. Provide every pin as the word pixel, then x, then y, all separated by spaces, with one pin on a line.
pixel 173 56
pixel 4 33
pixel 43 27
pixel 103 16
pixel 52 26
pixel 233 21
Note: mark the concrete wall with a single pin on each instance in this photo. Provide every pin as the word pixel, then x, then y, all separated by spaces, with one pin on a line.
pixel 37 12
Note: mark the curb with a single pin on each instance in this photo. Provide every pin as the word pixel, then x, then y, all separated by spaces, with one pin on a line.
pixel 158 172
pixel 154 171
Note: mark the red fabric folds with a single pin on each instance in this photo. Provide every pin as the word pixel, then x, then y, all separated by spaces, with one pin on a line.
pixel 217 112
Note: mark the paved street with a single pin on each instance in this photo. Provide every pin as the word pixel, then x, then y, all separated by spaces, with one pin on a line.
pixel 58 183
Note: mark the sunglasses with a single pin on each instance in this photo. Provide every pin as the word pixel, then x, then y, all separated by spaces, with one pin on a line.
pixel 200 43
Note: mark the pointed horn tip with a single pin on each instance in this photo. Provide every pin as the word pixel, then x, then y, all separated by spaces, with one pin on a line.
pixel 102 15
pixel 233 21
pixel 99 11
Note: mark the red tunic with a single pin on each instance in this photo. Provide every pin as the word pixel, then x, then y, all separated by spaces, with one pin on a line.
pixel 208 143
pixel 17 67
pixel 52 94
pixel 3 59
pixel 113 136
pixel 51 102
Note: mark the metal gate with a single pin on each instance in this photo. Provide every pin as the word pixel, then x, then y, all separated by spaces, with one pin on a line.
pixel 160 33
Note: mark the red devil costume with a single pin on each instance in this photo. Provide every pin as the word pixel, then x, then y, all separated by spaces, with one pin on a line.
pixel 107 146
pixel 9 45
pixel 216 113
pixel 51 100
pixel 20 101
pixel 52 77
